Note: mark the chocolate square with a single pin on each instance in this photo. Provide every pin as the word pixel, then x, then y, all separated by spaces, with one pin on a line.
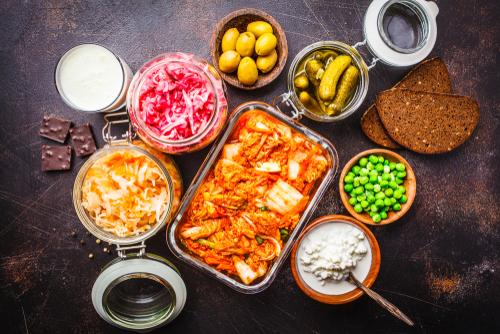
pixel 56 157
pixel 83 140
pixel 55 128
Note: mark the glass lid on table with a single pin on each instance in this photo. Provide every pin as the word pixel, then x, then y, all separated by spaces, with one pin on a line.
pixel 328 81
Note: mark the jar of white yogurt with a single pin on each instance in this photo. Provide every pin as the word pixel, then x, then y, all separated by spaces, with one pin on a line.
pixel 91 78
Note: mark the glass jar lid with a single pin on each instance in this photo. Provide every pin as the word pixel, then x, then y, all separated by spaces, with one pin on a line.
pixel 139 292
pixel 401 32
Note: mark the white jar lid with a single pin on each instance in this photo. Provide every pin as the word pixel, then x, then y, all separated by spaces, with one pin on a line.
pixel 387 53
pixel 139 293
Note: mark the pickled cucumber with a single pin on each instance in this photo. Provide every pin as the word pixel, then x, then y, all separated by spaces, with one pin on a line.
pixel 310 102
pixel 334 70
pixel 347 85
pixel 312 68
pixel 301 82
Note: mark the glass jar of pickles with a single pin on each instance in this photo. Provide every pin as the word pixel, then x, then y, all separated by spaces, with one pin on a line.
pixel 328 80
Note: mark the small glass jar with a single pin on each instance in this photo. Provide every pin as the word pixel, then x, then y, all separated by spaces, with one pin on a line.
pixel 398 33
pixel 137 291
pixel 91 78
pixel 205 135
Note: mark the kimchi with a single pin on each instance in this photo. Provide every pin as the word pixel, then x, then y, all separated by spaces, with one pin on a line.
pixel 253 198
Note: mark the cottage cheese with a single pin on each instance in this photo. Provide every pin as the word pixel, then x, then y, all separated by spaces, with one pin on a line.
pixel 329 252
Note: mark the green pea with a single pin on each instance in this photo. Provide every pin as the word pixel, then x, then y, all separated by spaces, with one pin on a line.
pixel 381 159
pixel 376 188
pixel 348 179
pixel 393 201
pixel 384 184
pixel 400 167
pixel 376 218
pixel 387 170
pixel 379 168
pixel 396 207
pixel 383 215
pixel 386 177
pixel 373 178
pixel 402 189
pixel 392 165
pixel 401 175
pixel 372 213
pixel 388 192
pixel 361 197
pixel 397 194
pixel 387 201
pixel 369 166
pixel 370 199
pixel 373 159
pixel 348 187
pixel 369 186
pixel 399 181
pixel 403 199
pixel 363 162
pixel 373 208
pixel 380 195
pixel 353 201
pixel 364 204
pixel 363 172
pixel 393 185
pixel 363 180
pixel 356 170
pixel 379 203
pixel 386 162
pixel 358 208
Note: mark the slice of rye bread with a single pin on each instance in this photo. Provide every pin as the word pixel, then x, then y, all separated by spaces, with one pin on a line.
pixel 427 123
pixel 429 76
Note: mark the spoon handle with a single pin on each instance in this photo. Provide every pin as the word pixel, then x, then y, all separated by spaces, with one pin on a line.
pixel 381 300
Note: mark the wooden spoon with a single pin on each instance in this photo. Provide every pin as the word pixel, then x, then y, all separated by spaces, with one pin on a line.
pixel 380 300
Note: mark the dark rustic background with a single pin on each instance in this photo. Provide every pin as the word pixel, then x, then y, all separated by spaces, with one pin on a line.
pixel 439 264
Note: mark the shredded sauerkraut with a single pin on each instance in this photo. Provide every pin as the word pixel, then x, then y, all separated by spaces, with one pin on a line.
pixel 125 193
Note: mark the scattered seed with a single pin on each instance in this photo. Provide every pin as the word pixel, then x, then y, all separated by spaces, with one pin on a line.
pixel 105 249
pixel 91 256
pixel 82 242
pixel 73 234
pixel 98 241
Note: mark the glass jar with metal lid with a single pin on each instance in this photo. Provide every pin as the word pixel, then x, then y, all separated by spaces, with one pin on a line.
pixel 177 103
pixel 398 33
pixel 138 290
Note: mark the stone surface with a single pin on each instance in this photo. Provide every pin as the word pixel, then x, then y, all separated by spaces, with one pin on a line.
pixel 439 264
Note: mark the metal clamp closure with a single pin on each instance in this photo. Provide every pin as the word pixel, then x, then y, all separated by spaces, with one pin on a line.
pixel 115 119
pixel 285 99
pixel 374 59
pixel 122 250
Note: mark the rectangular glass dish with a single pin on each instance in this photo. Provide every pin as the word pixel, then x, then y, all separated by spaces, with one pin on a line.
pixel 315 192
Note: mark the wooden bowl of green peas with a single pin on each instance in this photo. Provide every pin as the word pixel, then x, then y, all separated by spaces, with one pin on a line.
pixel 377 186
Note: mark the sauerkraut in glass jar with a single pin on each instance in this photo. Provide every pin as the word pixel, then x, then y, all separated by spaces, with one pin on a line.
pixel 176 103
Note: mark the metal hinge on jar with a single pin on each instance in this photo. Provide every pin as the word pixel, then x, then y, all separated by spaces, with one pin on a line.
pixel 116 119
pixel 122 250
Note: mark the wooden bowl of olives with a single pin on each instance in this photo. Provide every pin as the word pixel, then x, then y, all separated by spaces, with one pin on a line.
pixel 249 48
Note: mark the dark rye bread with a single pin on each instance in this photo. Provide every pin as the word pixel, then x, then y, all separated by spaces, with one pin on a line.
pixel 427 123
pixel 429 76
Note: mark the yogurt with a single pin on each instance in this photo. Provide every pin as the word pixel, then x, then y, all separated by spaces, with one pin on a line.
pixel 328 252
pixel 90 78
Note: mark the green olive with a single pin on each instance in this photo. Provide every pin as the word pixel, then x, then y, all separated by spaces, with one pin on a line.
pixel 301 82
pixel 229 39
pixel 258 28
pixel 245 44
pixel 266 63
pixel 247 71
pixel 266 44
pixel 228 61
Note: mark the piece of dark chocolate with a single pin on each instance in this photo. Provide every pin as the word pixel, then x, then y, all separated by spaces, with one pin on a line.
pixel 83 140
pixel 55 128
pixel 56 157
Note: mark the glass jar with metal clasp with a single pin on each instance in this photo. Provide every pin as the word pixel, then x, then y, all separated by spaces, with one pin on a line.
pixel 398 33
pixel 137 291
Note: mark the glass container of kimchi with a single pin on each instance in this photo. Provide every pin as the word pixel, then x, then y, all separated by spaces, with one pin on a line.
pixel 177 103
pixel 253 194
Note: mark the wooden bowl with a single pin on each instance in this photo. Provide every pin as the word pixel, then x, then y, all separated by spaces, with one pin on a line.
pixel 351 295
pixel 410 183
pixel 240 19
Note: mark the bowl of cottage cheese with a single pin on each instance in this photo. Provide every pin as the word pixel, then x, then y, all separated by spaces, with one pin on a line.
pixel 327 250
